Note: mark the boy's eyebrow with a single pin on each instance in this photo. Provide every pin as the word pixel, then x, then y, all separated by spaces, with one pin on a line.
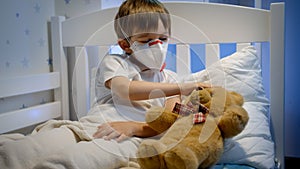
pixel 142 35
pixel 165 33
pixel 146 34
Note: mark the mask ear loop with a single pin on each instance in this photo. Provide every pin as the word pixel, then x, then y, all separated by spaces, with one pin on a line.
pixel 127 38
pixel 123 32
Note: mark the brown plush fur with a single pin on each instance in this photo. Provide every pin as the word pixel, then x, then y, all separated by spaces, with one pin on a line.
pixel 181 147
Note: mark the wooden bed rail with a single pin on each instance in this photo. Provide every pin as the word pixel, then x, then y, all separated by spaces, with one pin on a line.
pixel 15 86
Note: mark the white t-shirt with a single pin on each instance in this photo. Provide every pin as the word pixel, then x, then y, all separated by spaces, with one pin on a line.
pixel 123 65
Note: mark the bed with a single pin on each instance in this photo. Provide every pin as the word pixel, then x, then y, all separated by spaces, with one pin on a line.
pixel 79 44
pixel 22 86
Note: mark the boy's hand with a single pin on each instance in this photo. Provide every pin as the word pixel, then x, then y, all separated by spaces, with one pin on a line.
pixel 203 85
pixel 122 130
pixel 115 130
pixel 187 88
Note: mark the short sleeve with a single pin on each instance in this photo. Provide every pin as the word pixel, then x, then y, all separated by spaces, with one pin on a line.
pixel 112 66
pixel 170 76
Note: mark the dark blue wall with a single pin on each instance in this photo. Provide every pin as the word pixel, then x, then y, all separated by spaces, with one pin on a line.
pixel 292 76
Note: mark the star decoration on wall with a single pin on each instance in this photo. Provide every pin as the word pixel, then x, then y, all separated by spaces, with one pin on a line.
pixel 17 15
pixel 67 1
pixel 37 8
pixel 25 62
pixel 43 101
pixel 41 42
pixel 50 62
pixel 27 32
pixel 7 64
pixel 23 106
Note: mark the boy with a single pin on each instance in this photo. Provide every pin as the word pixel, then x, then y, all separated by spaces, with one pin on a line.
pixel 143 28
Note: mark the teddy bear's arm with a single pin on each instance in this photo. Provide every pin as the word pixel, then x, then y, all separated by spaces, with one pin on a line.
pixel 160 119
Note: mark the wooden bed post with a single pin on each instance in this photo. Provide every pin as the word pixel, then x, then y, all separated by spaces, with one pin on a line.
pixel 277 78
pixel 60 65
pixel 80 82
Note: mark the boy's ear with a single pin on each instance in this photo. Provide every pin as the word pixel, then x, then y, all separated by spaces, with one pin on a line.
pixel 125 45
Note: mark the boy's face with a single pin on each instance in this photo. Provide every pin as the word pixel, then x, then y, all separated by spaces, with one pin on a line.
pixel 144 37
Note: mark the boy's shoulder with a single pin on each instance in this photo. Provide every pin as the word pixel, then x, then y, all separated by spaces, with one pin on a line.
pixel 115 57
pixel 169 74
pixel 123 56
pixel 168 71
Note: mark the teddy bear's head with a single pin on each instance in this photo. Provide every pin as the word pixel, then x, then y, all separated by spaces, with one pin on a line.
pixel 233 117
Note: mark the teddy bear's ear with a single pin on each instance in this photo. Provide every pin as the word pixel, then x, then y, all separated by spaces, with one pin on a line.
pixel 233 121
pixel 205 97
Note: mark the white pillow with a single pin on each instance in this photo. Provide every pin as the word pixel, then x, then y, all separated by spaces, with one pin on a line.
pixel 241 72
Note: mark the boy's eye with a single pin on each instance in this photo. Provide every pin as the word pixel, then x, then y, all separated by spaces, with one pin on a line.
pixel 145 41
pixel 148 40
pixel 163 39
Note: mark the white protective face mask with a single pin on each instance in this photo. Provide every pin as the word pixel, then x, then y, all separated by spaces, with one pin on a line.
pixel 152 54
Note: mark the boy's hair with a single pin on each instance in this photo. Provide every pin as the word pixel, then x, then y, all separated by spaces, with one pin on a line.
pixel 140 16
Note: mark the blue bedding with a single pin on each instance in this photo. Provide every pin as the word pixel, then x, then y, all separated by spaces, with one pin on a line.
pixel 231 166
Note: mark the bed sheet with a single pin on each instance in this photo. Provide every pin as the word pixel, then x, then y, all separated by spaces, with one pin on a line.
pixel 231 166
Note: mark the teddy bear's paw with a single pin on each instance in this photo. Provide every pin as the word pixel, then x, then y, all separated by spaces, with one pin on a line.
pixel 181 157
pixel 173 161
pixel 149 154
pixel 149 148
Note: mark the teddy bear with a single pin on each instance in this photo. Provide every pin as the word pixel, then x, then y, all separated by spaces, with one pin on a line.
pixel 193 133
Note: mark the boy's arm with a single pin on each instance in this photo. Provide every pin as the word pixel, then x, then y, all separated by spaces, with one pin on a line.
pixel 142 90
pixel 122 130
